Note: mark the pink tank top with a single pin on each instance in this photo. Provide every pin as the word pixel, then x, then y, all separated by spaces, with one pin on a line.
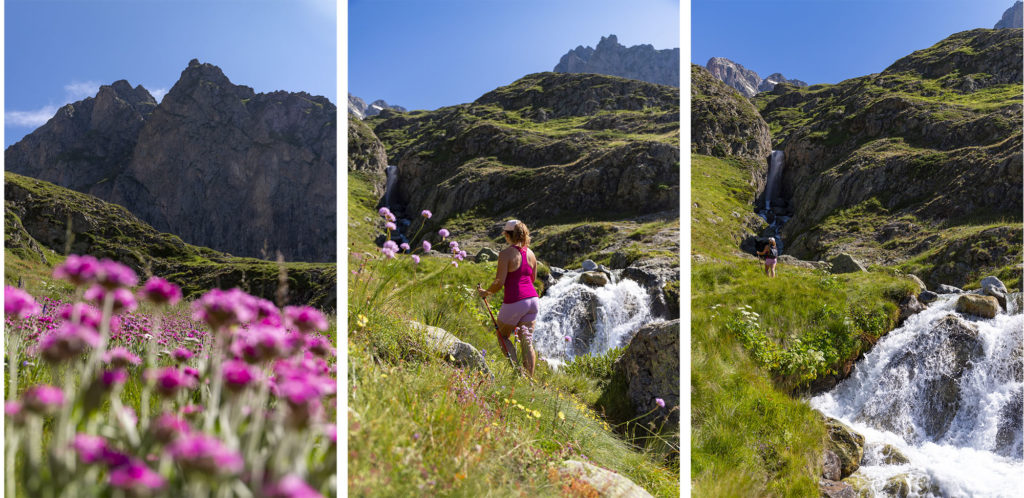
pixel 519 283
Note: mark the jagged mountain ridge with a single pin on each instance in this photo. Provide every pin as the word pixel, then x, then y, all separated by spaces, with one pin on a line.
pixel 639 62
pixel 362 110
pixel 746 81
pixel 1013 17
pixel 547 145
pixel 210 154
pixel 907 155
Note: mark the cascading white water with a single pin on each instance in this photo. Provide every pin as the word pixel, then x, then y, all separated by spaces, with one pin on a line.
pixel 596 319
pixel 947 391
pixel 771 187
pixel 389 184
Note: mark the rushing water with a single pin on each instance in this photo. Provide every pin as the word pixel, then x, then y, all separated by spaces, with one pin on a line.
pixel 595 319
pixel 946 395
pixel 771 188
pixel 389 185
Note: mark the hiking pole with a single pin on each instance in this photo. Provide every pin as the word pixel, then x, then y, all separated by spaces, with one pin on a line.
pixel 497 331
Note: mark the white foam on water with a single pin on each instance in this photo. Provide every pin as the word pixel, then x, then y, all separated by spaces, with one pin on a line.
pixel 595 319
pixel 891 399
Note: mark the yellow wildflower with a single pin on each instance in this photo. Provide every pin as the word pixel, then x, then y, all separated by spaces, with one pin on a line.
pixel 561 416
pixel 362 321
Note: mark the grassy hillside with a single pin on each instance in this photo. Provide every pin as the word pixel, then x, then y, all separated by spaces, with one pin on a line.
pixel 418 425
pixel 43 220
pixel 919 166
pixel 758 343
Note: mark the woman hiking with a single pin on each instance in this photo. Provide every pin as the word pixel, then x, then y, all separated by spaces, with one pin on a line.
pixel 771 254
pixel 517 270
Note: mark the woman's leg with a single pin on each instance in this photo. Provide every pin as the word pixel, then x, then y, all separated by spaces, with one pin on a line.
pixel 528 355
pixel 504 341
pixel 772 269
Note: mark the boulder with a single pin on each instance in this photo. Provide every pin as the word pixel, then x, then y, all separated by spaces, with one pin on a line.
pixel 599 481
pixel 844 263
pixel 992 286
pixel 948 289
pixel 557 272
pixel 918 281
pixel 909 306
pixel 904 485
pixel 846 443
pixel 594 279
pixel 927 297
pixel 893 456
pixel 953 347
pixel 835 489
pixel 973 304
pixel 651 367
pixel 831 467
pixel 450 348
pixel 486 254
pixel 861 485
pixel 589 265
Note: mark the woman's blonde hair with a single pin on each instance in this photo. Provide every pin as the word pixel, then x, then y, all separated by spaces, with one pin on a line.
pixel 519 234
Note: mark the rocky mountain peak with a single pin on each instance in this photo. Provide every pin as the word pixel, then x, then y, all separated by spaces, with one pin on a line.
pixel 1013 17
pixel 981 58
pixel 362 110
pixel 746 81
pixel 639 62
pixel 211 152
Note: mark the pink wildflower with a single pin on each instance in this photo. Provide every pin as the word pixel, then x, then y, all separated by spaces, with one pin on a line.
pixel 136 478
pixel 222 309
pixel 89 448
pixel 113 275
pixel 68 341
pixel 19 303
pixel 443 233
pixel 426 214
pixel 237 375
pixel 123 299
pixel 79 270
pixel 426 246
pixel 181 355
pixel 290 486
pixel 121 357
pixel 205 454
pixel 415 259
pixel 170 380
pixel 87 315
pixel 160 291
pixel 43 399
pixel 305 318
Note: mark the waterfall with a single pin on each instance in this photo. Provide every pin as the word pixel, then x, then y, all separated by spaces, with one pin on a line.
pixel 596 319
pixel 947 391
pixel 775 167
pixel 389 185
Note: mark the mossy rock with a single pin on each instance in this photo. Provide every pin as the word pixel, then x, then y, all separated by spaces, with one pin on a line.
pixel 846 443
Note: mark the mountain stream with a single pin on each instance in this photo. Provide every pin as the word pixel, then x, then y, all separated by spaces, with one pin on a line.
pixel 946 391
pixel 595 319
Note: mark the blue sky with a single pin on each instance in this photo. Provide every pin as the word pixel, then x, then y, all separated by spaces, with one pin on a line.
pixel 425 55
pixel 61 51
pixel 827 41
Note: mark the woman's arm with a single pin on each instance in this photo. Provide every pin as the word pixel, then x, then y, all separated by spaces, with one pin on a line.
pixel 499 278
pixel 533 265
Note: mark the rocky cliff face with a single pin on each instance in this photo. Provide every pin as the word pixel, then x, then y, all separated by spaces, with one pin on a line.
pixel 210 154
pixel 366 154
pixel 769 82
pixel 38 214
pixel 905 154
pixel 746 81
pixel 361 110
pixel 723 123
pixel 1013 17
pixel 547 146
pixel 639 62
pixel 742 79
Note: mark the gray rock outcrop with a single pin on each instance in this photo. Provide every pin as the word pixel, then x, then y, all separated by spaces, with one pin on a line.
pixel 746 81
pixel 450 348
pixel 651 366
pixel 605 482
pixel 844 263
pixel 360 109
pixel 973 304
pixel 638 62
pixel 725 124
pixel 847 444
pixel 210 155
pixel 1013 17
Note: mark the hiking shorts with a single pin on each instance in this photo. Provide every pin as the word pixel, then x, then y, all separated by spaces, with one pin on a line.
pixel 524 310
pixel 769 261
